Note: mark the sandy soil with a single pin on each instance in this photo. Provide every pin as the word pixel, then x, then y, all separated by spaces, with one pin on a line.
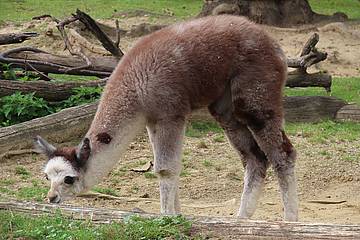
pixel 211 181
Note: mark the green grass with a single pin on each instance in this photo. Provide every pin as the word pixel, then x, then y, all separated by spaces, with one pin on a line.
pixel 26 9
pixel 328 7
pixel 58 227
pixel 201 128
pixel 32 193
pixel 347 89
pixel 20 170
pixel 108 191
pixel 326 131
pixel 150 175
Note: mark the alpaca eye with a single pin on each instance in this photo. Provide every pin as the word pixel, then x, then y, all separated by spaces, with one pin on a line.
pixel 46 177
pixel 69 180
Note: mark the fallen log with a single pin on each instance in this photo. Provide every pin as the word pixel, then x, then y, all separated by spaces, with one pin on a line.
pixel 49 63
pixel 66 125
pixel 303 79
pixel 16 37
pixel 72 123
pixel 50 91
pixel 103 67
pixel 216 227
pixel 349 112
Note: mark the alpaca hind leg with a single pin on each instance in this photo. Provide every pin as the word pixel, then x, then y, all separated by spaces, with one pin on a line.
pixel 272 140
pixel 254 160
pixel 166 137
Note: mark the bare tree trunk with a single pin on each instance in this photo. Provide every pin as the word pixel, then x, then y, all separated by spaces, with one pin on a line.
pixel 271 12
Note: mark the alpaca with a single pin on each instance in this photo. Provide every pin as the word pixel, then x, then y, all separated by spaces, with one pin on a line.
pixel 225 63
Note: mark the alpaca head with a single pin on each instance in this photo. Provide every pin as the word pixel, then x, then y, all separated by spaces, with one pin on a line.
pixel 64 169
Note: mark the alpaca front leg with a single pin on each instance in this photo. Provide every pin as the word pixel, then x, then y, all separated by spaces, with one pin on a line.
pixel 166 137
pixel 169 200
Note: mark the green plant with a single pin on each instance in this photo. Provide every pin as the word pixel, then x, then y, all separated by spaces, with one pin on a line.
pixel 106 191
pixel 207 163
pixel 149 175
pixel 58 227
pixel 10 73
pixel 20 170
pixel 20 107
pixel 82 95
pixel 201 128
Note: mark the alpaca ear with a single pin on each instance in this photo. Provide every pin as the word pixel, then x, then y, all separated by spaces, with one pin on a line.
pixel 83 151
pixel 44 147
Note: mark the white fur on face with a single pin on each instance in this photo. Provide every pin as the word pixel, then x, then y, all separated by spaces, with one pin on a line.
pixel 56 170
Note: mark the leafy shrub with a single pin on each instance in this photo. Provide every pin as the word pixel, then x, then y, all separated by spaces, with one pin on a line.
pixel 10 73
pixel 82 95
pixel 19 107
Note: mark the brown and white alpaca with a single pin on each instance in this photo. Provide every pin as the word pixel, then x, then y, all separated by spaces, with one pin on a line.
pixel 225 63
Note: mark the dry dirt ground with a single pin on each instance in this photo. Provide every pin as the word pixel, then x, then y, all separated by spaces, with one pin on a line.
pixel 211 180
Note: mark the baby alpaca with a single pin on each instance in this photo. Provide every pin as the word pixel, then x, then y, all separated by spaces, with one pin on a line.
pixel 225 63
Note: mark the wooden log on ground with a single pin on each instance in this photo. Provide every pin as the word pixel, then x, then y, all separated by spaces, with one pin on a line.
pixel 304 79
pixel 349 112
pixel 216 227
pixel 27 57
pixel 66 125
pixel 50 91
pixel 311 108
pixel 16 37
pixel 72 123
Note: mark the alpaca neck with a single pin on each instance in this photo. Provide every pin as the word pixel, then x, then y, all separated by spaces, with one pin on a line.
pixel 105 157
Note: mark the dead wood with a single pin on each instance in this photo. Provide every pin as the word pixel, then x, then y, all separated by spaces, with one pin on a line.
pixel 11 38
pixel 349 112
pixel 145 168
pixel 66 125
pixel 326 202
pixel 96 30
pixel 216 227
pixel 303 79
pixel 72 123
pixel 50 63
pixel 311 108
pixel 50 91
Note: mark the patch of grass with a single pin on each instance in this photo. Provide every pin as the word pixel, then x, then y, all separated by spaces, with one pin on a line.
pixel 149 175
pixel 6 182
pixel 201 128
pixel 219 138
pixel 107 191
pixel 20 170
pixel 21 226
pixel 26 9
pixel 328 7
pixel 184 173
pixel 73 78
pixel 207 163
pixel 6 190
pixel 347 89
pixel 34 192
pixel 326 131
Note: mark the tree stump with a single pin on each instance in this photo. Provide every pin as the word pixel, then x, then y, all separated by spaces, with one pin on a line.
pixel 271 12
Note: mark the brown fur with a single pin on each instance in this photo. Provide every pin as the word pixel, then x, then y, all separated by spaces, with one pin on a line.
pixel 69 153
pixel 225 63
